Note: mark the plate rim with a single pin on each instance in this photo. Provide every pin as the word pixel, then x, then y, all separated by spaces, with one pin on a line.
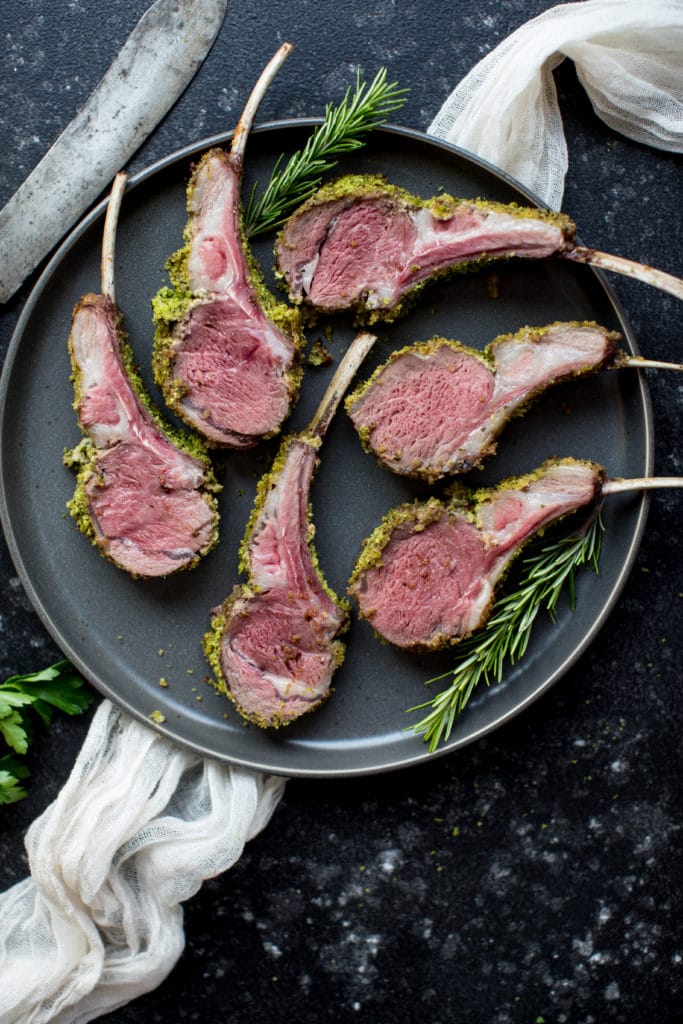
pixel 422 756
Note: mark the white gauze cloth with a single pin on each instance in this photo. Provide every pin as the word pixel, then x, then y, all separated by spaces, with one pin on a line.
pixel 139 825
pixel 629 58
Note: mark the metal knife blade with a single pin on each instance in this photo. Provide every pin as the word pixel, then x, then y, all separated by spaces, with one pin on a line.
pixel 157 62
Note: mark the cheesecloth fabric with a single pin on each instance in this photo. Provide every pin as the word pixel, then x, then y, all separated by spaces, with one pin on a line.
pixel 134 832
pixel 141 822
pixel 629 58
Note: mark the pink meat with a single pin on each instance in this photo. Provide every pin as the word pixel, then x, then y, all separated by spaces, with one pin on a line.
pixel 364 252
pixel 148 508
pixel 437 408
pixel 232 375
pixel 439 565
pixel 420 408
pixel 428 585
pixel 278 645
pixel 231 365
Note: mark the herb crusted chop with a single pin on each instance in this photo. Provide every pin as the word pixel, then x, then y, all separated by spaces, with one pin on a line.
pixel 145 493
pixel 273 643
pixel 427 575
pixel 365 245
pixel 226 351
pixel 368 246
pixel 436 408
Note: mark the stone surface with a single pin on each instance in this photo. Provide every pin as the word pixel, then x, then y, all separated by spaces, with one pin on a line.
pixel 535 875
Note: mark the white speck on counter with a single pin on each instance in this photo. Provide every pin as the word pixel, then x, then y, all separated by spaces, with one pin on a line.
pixel 584 947
pixel 375 17
pixel 604 915
pixel 389 860
pixel 229 100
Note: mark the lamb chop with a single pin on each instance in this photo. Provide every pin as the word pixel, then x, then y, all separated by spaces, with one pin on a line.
pixel 365 245
pixel 144 493
pixel 273 642
pixel 437 407
pixel 427 575
pixel 226 351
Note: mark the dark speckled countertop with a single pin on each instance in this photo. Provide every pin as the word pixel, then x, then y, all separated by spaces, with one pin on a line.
pixel 534 875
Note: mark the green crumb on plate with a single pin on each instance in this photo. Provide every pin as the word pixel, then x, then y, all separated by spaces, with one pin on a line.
pixel 318 354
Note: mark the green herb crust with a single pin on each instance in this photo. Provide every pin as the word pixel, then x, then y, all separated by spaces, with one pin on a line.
pixel 318 354
pixel 213 638
pixel 442 206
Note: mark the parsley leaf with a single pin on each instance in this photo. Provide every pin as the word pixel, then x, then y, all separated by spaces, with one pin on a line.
pixel 22 698
pixel 12 728
pixel 58 686
pixel 11 771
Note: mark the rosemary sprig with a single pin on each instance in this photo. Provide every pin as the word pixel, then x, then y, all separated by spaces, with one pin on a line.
pixel 505 636
pixel 342 131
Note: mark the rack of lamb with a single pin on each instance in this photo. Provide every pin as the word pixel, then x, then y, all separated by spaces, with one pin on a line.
pixel 273 642
pixel 362 244
pixel 226 351
pixel 144 492
pixel 437 407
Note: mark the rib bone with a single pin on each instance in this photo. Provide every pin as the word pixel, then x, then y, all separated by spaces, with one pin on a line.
pixel 628 268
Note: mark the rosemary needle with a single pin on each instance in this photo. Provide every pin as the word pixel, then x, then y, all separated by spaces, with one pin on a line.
pixel 505 636
pixel 341 131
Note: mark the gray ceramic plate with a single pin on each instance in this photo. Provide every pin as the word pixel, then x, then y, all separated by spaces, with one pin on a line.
pixel 124 635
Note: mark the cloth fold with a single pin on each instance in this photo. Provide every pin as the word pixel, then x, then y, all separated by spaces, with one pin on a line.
pixel 141 823
pixel 628 58
pixel 137 828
